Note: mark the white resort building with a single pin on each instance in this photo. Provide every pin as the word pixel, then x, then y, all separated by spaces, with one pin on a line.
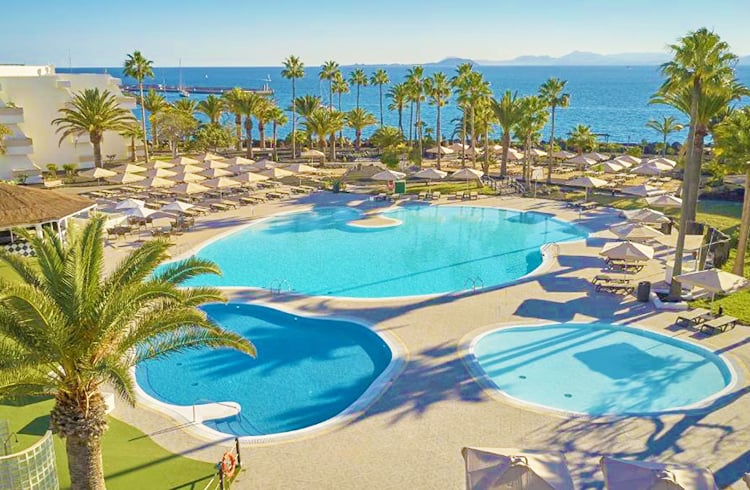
pixel 30 97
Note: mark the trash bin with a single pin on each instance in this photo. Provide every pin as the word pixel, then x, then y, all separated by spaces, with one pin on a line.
pixel 643 292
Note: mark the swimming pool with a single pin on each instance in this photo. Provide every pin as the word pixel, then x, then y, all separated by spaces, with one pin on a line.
pixel 307 371
pixel 599 369
pixel 434 249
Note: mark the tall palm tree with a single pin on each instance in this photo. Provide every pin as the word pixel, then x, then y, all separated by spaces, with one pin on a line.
pixel 4 131
pixel 323 122
pixel 582 138
pixel 92 112
pixel 293 69
pixel 213 107
pixel 386 138
pixel 138 67
pixel 701 63
pixel 398 94
pixel 508 112
pixel 529 127
pixel 460 82
pixel 551 92
pixel 358 78
pixel 359 119
pixel 476 89
pixel 380 78
pixel 133 132
pixel 485 118
pixel 66 329
pixel 278 118
pixel 234 100
pixel 665 127
pixel 415 82
pixel 438 89
pixel 306 105
pixel 249 106
pixel 340 87
pixel 154 102
pixel 263 115
pixel 732 142
pixel 188 106
pixel 329 71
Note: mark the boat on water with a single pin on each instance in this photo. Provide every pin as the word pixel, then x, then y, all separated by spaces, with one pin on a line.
pixel 180 89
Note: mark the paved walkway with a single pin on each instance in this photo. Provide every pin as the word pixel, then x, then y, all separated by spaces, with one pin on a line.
pixel 412 435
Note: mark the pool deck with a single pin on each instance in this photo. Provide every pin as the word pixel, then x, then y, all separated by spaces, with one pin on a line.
pixel 412 435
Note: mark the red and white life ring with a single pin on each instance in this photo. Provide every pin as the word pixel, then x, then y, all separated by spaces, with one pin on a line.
pixel 391 185
pixel 228 464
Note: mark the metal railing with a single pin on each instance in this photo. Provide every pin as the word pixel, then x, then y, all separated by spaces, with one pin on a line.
pixel 473 283
pixel 553 248
pixel 277 286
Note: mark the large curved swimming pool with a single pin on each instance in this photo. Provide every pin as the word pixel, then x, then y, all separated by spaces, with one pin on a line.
pixel 600 369
pixel 307 371
pixel 434 249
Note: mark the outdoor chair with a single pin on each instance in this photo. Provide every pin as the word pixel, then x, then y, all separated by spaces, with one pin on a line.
pixel 435 195
pixel 694 316
pixel 615 287
pixel 607 278
pixel 459 195
pixel 422 196
pixel 721 323
pixel 474 195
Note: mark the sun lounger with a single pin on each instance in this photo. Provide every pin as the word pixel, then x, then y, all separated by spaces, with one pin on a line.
pixel 459 195
pixel 607 278
pixel 721 323
pixel 474 195
pixel 422 196
pixel 217 206
pixel 573 204
pixel 585 206
pixel 627 265
pixel 615 287
pixel 694 316
pixel 381 197
pixel 435 195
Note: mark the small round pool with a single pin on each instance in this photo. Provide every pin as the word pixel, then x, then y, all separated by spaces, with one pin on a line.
pixel 434 249
pixel 307 371
pixel 600 369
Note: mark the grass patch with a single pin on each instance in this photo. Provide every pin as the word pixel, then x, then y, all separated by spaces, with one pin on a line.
pixel 131 458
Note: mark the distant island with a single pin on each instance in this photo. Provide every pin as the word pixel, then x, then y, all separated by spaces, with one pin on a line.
pixel 575 58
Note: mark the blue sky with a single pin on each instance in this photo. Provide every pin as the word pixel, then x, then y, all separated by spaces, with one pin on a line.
pixel 262 33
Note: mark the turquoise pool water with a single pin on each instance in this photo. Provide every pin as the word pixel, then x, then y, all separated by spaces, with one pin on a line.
pixel 599 369
pixel 435 250
pixel 307 370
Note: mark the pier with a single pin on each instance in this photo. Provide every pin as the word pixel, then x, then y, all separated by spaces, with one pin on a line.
pixel 266 90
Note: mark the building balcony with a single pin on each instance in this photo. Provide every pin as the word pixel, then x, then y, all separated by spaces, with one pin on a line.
pixel 127 103
pixel 15 145
pixel 11 115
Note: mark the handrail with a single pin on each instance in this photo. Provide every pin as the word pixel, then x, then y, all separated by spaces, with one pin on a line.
pixel 552 246
pixel 279 283
pixel 206 401
pixel 476 283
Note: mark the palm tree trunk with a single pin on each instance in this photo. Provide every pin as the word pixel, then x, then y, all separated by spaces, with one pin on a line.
pixel 739 260
pixel 96 142
pixel 333 146
pixel 380 89
pixel 275 151
pixel 664 143
pixel 411 120
pixel 132 148
pixel 401 119
pixel 143 121
pixel 341 131
pixel 486 168
pixel 249 137
pixel 439 139
pixel 506 150
pixel 418 130
pixel 473 137
pixel 85 463
pixel 551 147
pixel 330 93
pixel 357 96
pixel 294 121
pixel 463 138
pixel 238 129
pixel 262 133
pixel 154 134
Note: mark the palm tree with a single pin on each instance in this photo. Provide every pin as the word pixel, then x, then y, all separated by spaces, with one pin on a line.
pixel 249 106
pixel 329 71
pixel 359 119
pixel 358 78
pixel 508 112
pixel 154 102
pixel 485 118
pixel 138 67
pixel 529 127
pixel 387 137
pixel 438 88
pixel 4 131
pixel 399 96
pixel 732 142
pixel 233 100
pixel 340 87
pixel 263 115
pixel 323 123
pixel 66 329
pixel 701 63
pixel 581 138
pixel 188 106
pixel 415 83
pixel 293 69
pixel 133 132
pixel 213 107
pixel 92 112
pixel 460 85
pixel 278 118
pixel 476 89
pixel 380 78
pixel 306 105
pixel 551 92
pixel 665 127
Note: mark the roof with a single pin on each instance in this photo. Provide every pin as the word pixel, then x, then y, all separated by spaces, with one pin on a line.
pixel 21 205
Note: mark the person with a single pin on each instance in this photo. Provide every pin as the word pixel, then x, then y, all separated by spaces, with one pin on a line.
pixel 721 310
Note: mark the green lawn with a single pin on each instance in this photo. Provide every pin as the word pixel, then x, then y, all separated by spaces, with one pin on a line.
pixel 131 459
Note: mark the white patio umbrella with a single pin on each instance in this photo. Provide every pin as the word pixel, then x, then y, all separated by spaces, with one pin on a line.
pixel 430 174
pixel 389 176
pixel 562 154
pixel 129 168
pixel 159 164
pixel 190 169
pixel 126 178
pixel 265 164
pixel 182 161
pixel 457 147
pixel 630 159
pixel 467 174
pixel 312 154
pixel 599 157
pixel 240 161
pixel 664 161
pixel 214 164
pixel 587 182
pixel 189 188
pixel 515 155
pixel 643 190
pixel 581 161
pixel 212 173
pixel 250 178
pixel 188 177
pixel 300 168
pixel 443 150
pixel 664 201
pixel 98 173
pixel 630 475
pixel 612 167
pixel 159 172
pixel 627 251
pixel 208 156
pixel 139 212
pixel 156 182
pixel 220 183
pixel 536 152
pixel 714 281
pixel 645 169
pixel 506 468
pixel 646 215
pixel 635 232
pixel 129 204
pixel 178 206
pixel 276 173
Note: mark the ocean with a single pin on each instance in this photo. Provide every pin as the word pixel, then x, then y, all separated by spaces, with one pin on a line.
pixel 613 100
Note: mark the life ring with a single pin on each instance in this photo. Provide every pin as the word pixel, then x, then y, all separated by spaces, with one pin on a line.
pixel 390 185
pixel 228 464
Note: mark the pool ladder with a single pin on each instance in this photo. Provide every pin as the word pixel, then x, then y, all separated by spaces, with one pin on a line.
pixel 278 285
pixel 473 283
pixel 553 248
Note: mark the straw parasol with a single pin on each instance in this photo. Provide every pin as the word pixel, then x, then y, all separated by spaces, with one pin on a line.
pixel 276 173
pixel 156 182
pixel 240 161
pixel 188 177
pixel 190 169
pixel 628 475
pixel 21 205
pixel 612 167
pixel 189 188
pixel 312 154
pixel 250 178
pixel 220 183
pixel 129 168
pixel 467 174
pixel 300 168
pixel 650 169
pixel 643 190
pixel 664 161
pixel 646 215
pixel 430 174
pixel 563 155
pixel 212 173
pixel 664 201
pixel 458 147
pixel 98 173
pixel 715 281
pixel 635 231
pixel 504 468
pixel 599 157
pixel 183 161
pixel 125 178
pixel 629 159
pixel 440 149
pixel 515 155
pixel 211 164
pixel 627 251
pixel 582 160
pixel 160 172
pixel 388 175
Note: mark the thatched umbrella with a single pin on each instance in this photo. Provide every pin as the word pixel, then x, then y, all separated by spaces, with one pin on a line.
pixel 213 173
pixel 21 205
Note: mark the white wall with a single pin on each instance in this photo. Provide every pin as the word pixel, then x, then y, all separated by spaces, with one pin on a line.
pixel 40 97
